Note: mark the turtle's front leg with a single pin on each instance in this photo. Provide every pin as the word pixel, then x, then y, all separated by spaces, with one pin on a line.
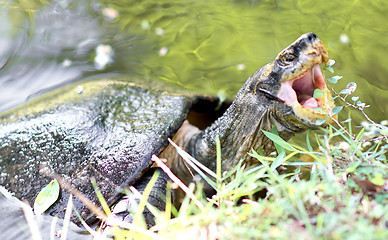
pixel 127 206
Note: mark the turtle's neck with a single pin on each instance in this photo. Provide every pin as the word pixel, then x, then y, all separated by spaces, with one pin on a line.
pixel 239 131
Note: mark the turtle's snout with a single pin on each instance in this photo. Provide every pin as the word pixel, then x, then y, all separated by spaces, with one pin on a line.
pixel 312 37
pixel 308 38
pixel 315 48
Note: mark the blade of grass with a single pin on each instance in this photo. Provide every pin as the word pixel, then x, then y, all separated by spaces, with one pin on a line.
pixel 138 219
pixel 278 140
pixel 279 160
pixel 184 209
pixel 309 147
pixel 101 198
pixel 177 181
pixel 66 220
pixel 32 223
pixel 196 166
pixel 218 169
pixel 278 147
pixel 52 228
pixel 85 225
pixel 168 209
pixel 189 159
pixel 132 227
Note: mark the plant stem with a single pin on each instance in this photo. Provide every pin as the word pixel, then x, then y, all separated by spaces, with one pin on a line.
pixel 361 110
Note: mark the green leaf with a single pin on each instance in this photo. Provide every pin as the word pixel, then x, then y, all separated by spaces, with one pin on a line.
pixel 330 69
pixel 338 109
pixel 345 91
pixel 320 121
pixel 278 147
pixel 360 104
pixel 378 179
pixel 347 120
pixel 353 167
pixel 280 159
pixel 278 140
pixel 317 93
pixel 46 197
pixel 381 158
pixel 384 131
pixel 334 79
pixel 309 147
pixel 355 98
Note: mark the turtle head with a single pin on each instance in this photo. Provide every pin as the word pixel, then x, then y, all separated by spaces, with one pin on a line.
pixel 291 81
pixel 280 95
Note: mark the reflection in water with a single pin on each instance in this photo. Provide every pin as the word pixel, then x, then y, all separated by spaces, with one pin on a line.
pixel 39 48
pixel 207 46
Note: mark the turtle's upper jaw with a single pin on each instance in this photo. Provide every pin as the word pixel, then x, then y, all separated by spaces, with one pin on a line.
pixel 302 77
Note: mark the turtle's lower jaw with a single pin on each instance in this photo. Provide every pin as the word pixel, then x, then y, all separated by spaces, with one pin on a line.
pixel 298 93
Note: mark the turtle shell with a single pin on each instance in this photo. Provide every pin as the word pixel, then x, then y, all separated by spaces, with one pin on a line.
pixel 102 129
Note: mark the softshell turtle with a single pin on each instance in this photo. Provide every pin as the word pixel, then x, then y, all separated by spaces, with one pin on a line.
pixel 110 128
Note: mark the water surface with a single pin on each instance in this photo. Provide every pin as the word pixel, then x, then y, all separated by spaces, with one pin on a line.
pixel 209 46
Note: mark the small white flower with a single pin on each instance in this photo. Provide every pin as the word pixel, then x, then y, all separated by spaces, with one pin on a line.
pixel 145 25
pixel 160 31
pixel 104 56
pixel 241 66
pixel 66 63
pixel 163 51
pixel 344 146
pixel 80 89
pixel 331 62
pixel 110 13
pixel 366 144
pixel 365 124
pixel 343 38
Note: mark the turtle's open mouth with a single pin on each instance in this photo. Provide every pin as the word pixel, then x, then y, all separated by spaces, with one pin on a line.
pixel 298 93
pixel 301 89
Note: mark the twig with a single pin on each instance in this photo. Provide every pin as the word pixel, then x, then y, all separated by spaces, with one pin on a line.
pixel 176 180
pixel 353 106
pixel 372 139
pixel 362 111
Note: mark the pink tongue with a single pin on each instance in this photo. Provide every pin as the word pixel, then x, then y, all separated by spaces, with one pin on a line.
pixel 311 103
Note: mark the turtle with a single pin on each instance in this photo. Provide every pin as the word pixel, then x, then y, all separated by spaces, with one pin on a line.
pixel 108 129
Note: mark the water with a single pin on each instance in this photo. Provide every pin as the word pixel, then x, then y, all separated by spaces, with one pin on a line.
pixel 207 46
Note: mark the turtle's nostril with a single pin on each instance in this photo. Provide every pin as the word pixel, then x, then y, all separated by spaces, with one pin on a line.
pixel 312 37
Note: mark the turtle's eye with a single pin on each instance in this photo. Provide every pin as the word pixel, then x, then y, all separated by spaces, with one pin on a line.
pixel 287 58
